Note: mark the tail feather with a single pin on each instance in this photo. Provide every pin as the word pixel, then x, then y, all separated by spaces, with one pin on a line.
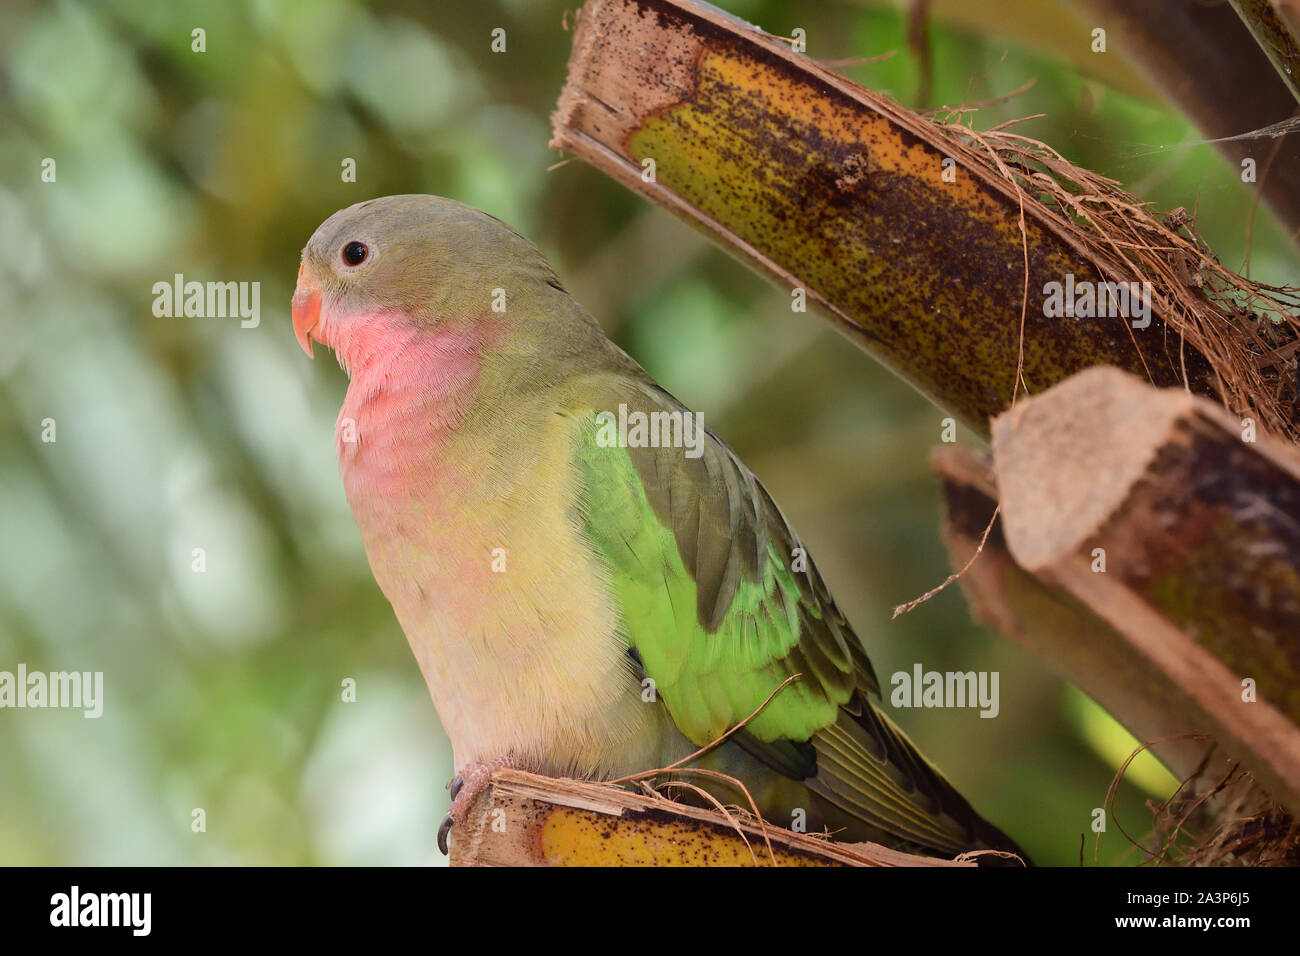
pixel 867 767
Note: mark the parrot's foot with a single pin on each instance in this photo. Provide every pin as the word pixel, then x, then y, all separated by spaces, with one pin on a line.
pixel 466 787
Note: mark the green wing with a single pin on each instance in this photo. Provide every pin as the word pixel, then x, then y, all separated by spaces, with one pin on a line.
pixel 722 603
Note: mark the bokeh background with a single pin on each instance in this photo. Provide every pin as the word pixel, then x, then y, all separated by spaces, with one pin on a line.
pixel 223 688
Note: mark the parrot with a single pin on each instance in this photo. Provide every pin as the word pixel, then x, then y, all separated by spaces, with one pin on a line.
pixel 580 603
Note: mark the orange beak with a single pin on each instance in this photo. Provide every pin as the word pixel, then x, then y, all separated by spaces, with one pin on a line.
pixel 306 309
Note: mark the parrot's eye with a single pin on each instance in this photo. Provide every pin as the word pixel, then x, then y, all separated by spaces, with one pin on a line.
pixel 354 253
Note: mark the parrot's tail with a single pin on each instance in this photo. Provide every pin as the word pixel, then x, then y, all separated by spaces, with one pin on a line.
pixel 868 768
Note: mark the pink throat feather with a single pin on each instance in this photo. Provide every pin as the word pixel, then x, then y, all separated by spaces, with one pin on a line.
pixel 410 389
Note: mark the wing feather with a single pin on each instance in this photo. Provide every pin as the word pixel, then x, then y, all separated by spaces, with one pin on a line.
pixel 722 603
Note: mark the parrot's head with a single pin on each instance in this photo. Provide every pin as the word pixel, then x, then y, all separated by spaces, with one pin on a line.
pixel 386 264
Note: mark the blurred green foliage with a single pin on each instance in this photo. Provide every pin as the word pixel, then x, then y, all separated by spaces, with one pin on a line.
pixel 223 688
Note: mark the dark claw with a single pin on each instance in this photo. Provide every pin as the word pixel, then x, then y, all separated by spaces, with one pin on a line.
pixel 457 782
pixel 445 828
